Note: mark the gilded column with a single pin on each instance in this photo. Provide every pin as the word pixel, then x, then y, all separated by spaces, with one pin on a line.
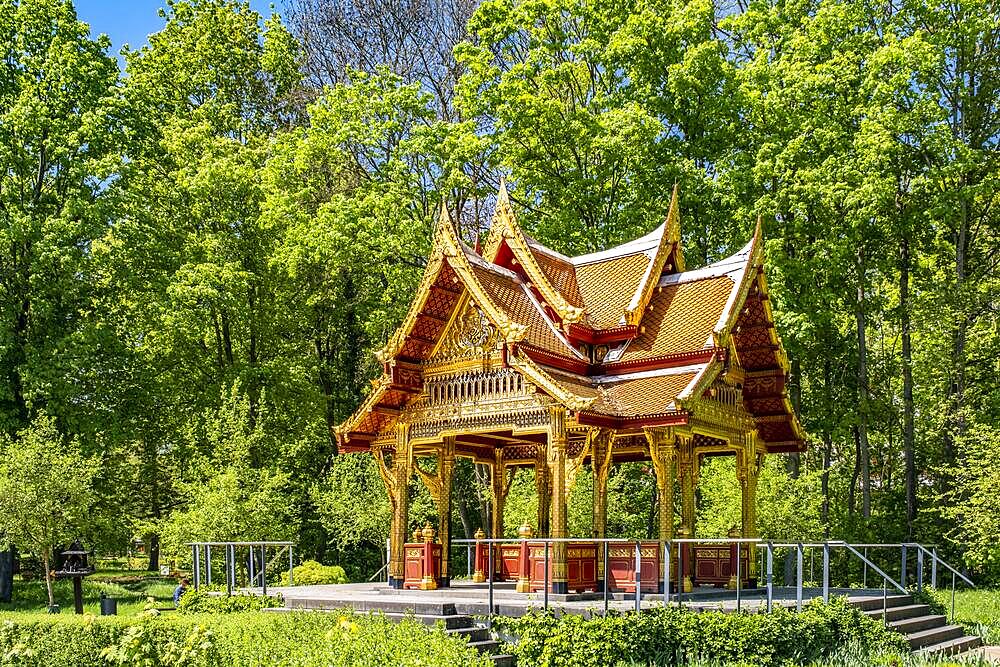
pixel 543 491
pixel 557 446
pixel 402 470
pixel 499 486
pixel 446 474
pixel 600 462
pixel 747 471
pixel 661 453
pixel 687 468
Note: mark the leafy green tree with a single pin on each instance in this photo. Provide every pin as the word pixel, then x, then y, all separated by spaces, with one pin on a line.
pixel 596 109
pixel 55 141
pixel 46 493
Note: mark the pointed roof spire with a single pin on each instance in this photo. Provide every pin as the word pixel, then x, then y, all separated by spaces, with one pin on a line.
pixel 668 259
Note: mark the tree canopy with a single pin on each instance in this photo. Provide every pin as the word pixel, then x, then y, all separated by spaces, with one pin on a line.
pixel 200 250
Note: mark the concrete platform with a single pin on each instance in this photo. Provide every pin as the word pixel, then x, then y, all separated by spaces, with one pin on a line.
pixel 472 599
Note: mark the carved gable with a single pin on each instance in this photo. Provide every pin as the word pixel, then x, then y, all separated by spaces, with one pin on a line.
pixel 469 341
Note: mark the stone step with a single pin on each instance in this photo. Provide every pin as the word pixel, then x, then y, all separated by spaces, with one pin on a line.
pixel 897 613
pixel 472 633
pixel 952 647
pixel 450 622
pixel 875 602
pixel 936 635
pixel 503 660
pixel 908 626
pixel 389 606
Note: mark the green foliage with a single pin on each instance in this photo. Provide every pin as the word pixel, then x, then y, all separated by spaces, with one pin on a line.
pixel 667 635
pixel 240 640
pixel 45 491
pixel 311 573
pixel 203 602
pixel 978 610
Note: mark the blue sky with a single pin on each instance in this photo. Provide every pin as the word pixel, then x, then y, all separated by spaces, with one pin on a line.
pixel 130 21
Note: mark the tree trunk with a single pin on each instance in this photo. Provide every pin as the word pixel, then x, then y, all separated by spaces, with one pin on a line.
pixel 852 494
pixel 955 425
pixel 864 451
pixel 6 574
pixel 909 455
pixel 48 577
pixel 793 460
pixel 153 547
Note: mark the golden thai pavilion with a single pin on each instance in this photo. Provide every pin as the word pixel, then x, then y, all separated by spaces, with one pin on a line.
pixel 521 356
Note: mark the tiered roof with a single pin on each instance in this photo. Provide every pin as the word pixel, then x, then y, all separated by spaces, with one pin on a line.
pixel 625 338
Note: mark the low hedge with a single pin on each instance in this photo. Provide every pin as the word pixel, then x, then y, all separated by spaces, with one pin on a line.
pixel 668 635
pixel 312 573
pixel 253 639
pixel 203 602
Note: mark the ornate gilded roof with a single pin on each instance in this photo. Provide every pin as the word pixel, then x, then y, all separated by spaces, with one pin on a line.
pixel 624 337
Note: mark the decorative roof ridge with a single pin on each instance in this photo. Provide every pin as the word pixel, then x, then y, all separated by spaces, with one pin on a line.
pixel 727 320
pixel 505 227
pixel 434 264
pixel 641 245
pixel 555 330
pixel 460 259
pixel 545 250
pixel 729 266
pixel 699 383
pixel 447 246
pixel 598 380
pixel 535 373
pixel 473 258
pixel 669 245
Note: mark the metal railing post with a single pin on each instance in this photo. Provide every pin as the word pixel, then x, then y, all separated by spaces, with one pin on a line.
pixel 826 572
pixel 920 569
pixel 864 572
pixel 680 574
pixel 952 619
pixel 885 603
pixel 230 569
pixel 468 561
pixel 208 562
pixel 263 569
pixel 490 575
pixel 194 564
pixel 902 569
pixel 607 576
pixel 739 574
pixel 934 567
pixel 388 561
pixel 770 576
pixel 546 580
pixel 638 577
pixel 291 567
pixel 798 582
pixel 666 573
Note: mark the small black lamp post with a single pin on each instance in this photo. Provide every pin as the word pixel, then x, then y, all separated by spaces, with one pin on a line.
pixel 75 566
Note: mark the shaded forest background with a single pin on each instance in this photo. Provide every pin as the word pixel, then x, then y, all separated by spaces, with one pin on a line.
pixel 200 250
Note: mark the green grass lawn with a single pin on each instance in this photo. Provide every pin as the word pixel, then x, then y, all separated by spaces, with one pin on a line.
pixel 131 589
pixel 978 609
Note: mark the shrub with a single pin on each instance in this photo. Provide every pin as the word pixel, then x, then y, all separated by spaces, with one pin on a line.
pixel 311 573
pixel 198 602
pixel 294 639
pixel 667 635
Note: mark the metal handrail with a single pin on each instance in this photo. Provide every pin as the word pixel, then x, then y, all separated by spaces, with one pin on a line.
pixel 937 558
pixel 873 566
